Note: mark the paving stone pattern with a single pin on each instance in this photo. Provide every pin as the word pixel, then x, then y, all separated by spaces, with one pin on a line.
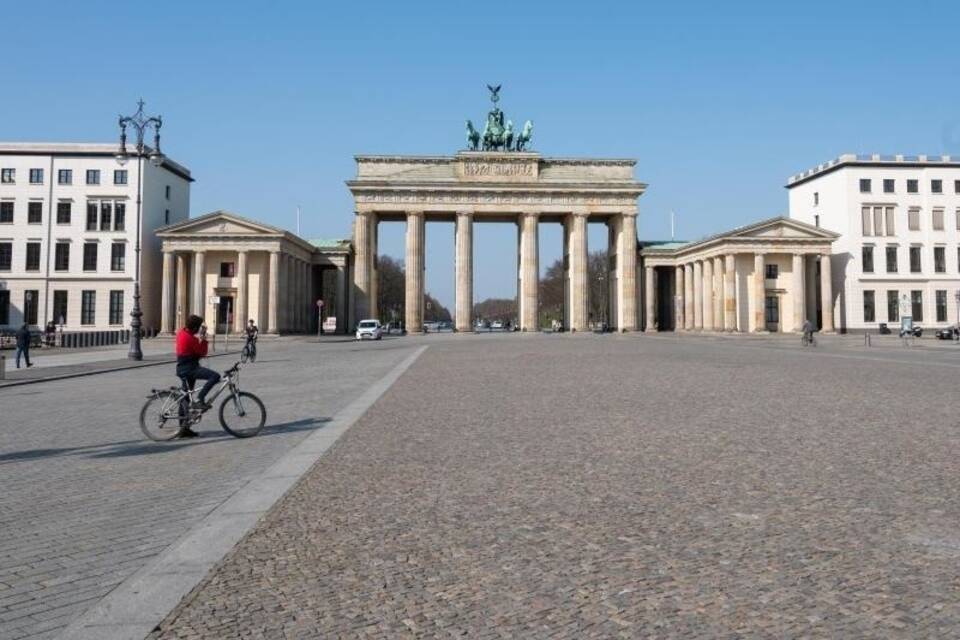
pixel 617 487
pixel 86 500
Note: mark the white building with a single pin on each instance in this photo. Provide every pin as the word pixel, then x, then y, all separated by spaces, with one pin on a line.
pixel 68 234
pixel 899 248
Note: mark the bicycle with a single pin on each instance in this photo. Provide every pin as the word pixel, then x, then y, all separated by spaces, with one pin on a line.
pixel 808 340
pixel 168 412
pixel 249 352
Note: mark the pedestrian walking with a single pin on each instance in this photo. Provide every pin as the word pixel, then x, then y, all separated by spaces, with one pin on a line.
pixel 23 345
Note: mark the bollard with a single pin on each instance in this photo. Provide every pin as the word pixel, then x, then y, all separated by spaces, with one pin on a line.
pixel 866 340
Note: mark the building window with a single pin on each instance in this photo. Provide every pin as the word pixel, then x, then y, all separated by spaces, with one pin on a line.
pixel 958 219
pixel 878 221
pixel 6 257
pixel 36 176
pixel 888 185
pixel 941 305
pixel 92 216
pixel 936 186
pixel 166 192
pixel 4 307
pixel 61 256
pixel 940 259
pixel 116 307
pixel 869 310
pixel 9 176
pixel 118 254
pixel 772 271
pixel 864 185
pixel 166 216
pixel 916 305
pixel 63 212
pixel 893 306
pixel 938 219
pixel 915 260
pixel 867 221
pixel 227 269
pixel 119 216
pixel 6 211
pixel 88 307
pixel 913 186
pixel 120 176
pixel 816 221
pixel 816 198
pixel 31 300
pixel 93 176
pixel 891 227
pixel 60 306
pixel 772 307
pixel 892 259
pixel 34 213
pixel 106 215
pixel 89 256
pixel 913 219
pixel 956 186
pixel 867 254
pixel 33 256
pixel 65 176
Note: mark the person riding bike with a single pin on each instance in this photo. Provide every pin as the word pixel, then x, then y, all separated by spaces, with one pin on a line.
pixel 808 331
pixel 191 345
pixel 252 331
pixel 250 347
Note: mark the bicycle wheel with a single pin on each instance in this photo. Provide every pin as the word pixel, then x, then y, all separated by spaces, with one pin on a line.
pixel 162 416
pixel 242 415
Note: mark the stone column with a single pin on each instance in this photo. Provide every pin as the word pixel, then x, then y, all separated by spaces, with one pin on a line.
pixel 810 263
pixel 826 294
pixel 341 300
pixel 200 284
pixel 698 295
pixel 374 269
pixel 678 304
pixel 414 272
pixel 708 294
pixel 730 293
pixel 464 266
pixel 718 293
pixel 241 303
pixel 650 299
pixel 363 265
pixel 579 293
pixel 272 301
pixel 183 304
pixel 530 273
pixel 798 294
pixel 758 293
pixel 167 294
pixel 627 276
pixel 688 297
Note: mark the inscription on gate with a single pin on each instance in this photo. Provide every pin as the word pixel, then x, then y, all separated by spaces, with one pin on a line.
pixel 510 171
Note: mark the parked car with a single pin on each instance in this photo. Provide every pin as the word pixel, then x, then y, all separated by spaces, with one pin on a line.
pixel 369 329
pixel 8 338
pixel 497 324
pixel 949 333
pixel 916 331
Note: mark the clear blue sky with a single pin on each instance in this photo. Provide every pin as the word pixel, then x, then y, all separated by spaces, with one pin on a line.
pixel 268 102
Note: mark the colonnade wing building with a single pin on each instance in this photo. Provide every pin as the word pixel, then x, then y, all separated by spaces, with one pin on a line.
pixel 523 189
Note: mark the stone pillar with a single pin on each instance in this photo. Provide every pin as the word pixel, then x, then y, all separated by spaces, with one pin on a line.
pixel 464 266
pixel 698 295
pixel 167 294
pixel 579 290
pixel 730 293
pixel 200 284
pixel 810 263
pixel 718 293
pixel 341 300
pixel 363 265
pixel 826 294
pixel 627 273
pixel 708 294
pixel 798 294
pixel 414 272
pixel 374 268
pixel 183 304
pixel 678 305
pixel 274 288
pixel 650 299
pixel 758 291
pixel 530 273
pixel 241 303
pixel 688 297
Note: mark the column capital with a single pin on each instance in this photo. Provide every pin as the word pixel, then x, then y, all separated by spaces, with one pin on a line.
pixel 414 212
pixel 530 213
pixel 465 213
pixel 580 213
pixel 363 212
pixel 630 212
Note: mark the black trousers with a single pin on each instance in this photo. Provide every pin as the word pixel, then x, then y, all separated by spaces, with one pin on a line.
pixel 190 375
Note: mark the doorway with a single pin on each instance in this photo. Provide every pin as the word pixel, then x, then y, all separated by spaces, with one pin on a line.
pixel 224 314
pixel 772 313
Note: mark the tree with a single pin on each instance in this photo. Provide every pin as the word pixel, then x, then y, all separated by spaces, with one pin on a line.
pixel 491 309
pixel 552 299
pixel 391 294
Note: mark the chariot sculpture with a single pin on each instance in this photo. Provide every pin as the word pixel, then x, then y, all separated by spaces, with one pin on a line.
pixel 498 135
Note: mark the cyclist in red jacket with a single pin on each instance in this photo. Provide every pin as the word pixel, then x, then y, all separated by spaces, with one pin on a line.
pixel 191 346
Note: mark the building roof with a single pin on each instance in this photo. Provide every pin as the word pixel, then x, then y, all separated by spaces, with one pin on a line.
pixel 875 160
pixel 330 243
pixel 753 230
pixel 79 149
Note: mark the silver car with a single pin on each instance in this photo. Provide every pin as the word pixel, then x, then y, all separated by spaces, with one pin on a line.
pixel 369 329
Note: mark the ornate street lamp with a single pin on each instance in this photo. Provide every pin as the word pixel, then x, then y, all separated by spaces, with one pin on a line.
pixel 140 123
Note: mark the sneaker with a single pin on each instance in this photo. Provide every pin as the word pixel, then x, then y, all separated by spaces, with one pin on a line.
pixel 188 433
pixel 202 406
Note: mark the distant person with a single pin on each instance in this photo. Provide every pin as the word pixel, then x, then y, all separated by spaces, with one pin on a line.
pixel 23 345
pixel 808 330
pixel 252 330
pixel 191 345
pixel 50 333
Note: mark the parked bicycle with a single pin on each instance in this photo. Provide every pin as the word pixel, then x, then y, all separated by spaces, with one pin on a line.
pixel 169 411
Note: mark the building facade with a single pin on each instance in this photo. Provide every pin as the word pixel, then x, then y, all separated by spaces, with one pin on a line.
pixel 898 254
pixel 69 231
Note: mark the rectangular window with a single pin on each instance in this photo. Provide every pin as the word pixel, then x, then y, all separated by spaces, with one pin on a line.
pixel 890 226
pixel 61 257
pixel 938 219
pixel 4 307
pixel 869 307
pixel 867 221
pixel 915 260
pixel 89 256
pixel 941 305
pixel 864 185
pixel 816 221
pixel 9 176
pixel 33 256
pixel 65 176
pixel 936 186
pixel 60 306
pixel 166 216
pixel 878 221
pixel 940 259
pixel 958 219
pixel 772 306
pixel 88 307
pixel 6 257
pixel 63 212
pixel 166 192
pixel 34 213
pixel 31 300
pixel 888 185
pixel 93 176
pixel 913 219
pixel 893 306
pixel 92 213
pixel 916 305
pixel 118 253
pixel 120 176
pixel 228 269
pixel 36 176
pixel 956 186
pixel 116 307
pixel 892 259
pixel 867 254
pixel 913 186
pixel 119 216
pixel 6 211
pixel 106 213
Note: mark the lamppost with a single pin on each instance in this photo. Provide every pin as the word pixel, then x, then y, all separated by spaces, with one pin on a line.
pixel 602 279
pixel 140 123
